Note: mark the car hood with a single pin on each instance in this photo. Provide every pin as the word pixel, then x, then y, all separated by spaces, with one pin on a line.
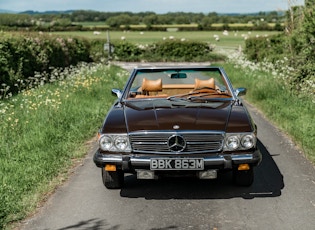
pixel 167 115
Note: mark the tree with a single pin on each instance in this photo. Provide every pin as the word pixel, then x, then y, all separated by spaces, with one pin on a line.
pixel 150 19
pixel 116 21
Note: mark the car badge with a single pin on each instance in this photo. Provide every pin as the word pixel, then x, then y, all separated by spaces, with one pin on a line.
pixel 176 127
pixel 176 143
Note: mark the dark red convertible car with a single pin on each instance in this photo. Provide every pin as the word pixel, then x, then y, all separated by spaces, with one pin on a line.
pixel 177 121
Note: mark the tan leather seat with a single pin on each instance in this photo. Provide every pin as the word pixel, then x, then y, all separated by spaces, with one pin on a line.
pixel 200 84
pixel 150 88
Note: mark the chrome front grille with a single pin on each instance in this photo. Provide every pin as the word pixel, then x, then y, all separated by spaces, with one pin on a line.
pixel 158 142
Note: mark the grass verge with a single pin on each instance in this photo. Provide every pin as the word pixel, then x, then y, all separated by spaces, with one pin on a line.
pixel 44 129
pixel 290 111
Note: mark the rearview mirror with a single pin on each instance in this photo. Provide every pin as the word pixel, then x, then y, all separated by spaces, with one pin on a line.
pixel 178 75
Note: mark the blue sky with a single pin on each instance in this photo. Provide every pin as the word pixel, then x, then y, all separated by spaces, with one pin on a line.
pixel 158 6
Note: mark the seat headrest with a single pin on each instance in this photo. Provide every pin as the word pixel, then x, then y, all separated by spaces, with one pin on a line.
pixel 151 85
pixel 199 84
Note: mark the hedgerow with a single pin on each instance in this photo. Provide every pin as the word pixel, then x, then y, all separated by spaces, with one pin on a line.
pixel 294 49
pixel 21 57
pixel 168 50
pixel 271 48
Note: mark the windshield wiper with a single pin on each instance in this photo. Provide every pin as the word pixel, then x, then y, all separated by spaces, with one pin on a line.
pixel 205 100
pixel 183 96
pixel 202 95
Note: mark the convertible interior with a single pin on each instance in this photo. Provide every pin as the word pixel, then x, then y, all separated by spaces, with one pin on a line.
pixel 156 89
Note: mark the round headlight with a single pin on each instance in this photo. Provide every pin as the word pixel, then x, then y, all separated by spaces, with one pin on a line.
pixel 248 141
pixel 232 142
pixel 121 143
pixel 106 143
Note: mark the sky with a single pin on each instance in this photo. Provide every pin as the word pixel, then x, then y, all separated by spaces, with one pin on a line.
pixel 157 6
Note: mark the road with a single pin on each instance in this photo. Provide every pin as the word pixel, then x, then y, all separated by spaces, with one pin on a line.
pixel 282 196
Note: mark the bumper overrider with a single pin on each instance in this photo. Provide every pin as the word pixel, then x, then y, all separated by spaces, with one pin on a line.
pixel 132 162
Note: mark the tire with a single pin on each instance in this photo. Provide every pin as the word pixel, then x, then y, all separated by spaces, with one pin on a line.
pixel 113 180
pixel 243 178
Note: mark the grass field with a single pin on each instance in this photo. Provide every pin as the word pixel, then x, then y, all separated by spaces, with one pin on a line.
pixel 231 39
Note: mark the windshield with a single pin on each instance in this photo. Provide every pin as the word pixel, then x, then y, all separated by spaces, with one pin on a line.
pixel 179 84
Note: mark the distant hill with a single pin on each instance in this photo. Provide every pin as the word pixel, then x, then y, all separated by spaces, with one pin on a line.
pixel 31 12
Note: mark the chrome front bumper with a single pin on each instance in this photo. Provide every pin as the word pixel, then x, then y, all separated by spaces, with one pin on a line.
pixel 133 161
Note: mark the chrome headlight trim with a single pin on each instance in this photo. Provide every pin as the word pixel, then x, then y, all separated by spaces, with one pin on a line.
pixel 232 142
pixel 114 142
pixel 248 141
pixel 105 142
pixel 239 141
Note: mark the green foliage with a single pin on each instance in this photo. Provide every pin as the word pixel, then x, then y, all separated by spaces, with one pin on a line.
pixel 22 56
pixel 46 128
pixel 18 20
pixel 271 48
pixel 297 46
pixel 303 42
pixel 97 52
pixel 291 112
pixel 126 51
pixel 170 50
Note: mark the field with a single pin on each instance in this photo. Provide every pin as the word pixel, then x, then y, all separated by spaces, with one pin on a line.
pixel 231 39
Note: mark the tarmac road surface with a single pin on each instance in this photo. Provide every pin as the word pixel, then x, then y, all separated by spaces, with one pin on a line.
pixel 282 196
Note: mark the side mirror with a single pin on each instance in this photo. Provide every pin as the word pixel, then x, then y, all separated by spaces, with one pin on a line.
pixel 117 92
pixel 240 91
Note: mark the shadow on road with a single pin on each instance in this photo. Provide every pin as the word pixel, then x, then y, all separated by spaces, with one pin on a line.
pixel 98 224
pixel 95 224
pixel 268 183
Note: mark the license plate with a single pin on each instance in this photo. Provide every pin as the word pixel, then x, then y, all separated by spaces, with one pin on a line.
pixel 177 164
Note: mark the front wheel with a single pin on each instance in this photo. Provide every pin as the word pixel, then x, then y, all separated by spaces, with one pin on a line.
pixel 243 178
pixel 113 180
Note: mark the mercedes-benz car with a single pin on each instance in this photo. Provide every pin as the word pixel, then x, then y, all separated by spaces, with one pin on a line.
pixel 177 121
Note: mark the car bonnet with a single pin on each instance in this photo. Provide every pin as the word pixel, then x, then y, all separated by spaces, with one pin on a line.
pixel 154 115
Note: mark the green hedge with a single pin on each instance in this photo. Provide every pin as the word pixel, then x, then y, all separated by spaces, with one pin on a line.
pixel 22 56
pixel 288 57
pixel 180 51
pixel 170 50
pixel 271 48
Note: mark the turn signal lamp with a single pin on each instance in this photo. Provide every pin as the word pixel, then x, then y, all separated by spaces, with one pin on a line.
pixel 243 167
pixel 110 168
